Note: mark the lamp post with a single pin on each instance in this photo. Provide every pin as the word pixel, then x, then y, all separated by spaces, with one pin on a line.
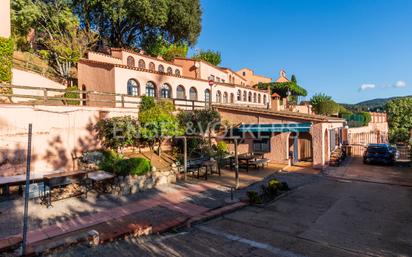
pixel 211 83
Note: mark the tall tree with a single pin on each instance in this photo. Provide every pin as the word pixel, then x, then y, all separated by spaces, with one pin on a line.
pixel 399 113
pixel 58 31
pixel 126 23
pixel 210 56
pixel 293 79
pixel 157 46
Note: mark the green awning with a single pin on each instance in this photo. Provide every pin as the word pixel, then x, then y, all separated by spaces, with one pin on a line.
pixel 278 127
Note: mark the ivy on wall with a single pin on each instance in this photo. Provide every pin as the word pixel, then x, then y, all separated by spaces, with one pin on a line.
pixel 6 59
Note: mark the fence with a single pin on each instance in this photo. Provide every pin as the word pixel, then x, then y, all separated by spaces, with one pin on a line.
pixel 53 96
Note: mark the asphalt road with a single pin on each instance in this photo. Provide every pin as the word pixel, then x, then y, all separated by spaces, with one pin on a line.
pixel 327 217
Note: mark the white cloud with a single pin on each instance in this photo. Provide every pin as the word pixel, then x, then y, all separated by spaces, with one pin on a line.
pixel 399 84
pixel 364 87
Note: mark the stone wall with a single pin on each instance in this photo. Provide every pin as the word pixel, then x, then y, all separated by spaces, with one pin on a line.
pixel 134 184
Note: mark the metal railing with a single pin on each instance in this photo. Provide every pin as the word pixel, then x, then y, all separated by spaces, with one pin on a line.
pixel 54 96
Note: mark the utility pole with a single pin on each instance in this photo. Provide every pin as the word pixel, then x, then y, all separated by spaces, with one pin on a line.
pixel 26 193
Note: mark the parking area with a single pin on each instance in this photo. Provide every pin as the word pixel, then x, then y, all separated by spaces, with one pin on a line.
pixel 355 169
pixel 322 217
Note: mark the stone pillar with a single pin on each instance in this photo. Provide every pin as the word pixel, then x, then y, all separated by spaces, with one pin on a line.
pixel 5 27
pixel 318 145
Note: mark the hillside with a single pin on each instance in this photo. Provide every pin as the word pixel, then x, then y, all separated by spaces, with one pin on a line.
pixel 377 104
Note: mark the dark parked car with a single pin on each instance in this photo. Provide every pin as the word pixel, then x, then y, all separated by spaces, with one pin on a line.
pixel 380 153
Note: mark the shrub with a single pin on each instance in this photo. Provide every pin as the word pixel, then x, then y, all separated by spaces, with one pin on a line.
pixel 117 132
pixel 254 197
pixel 274 183
pixel 110 160
pixel 133 166
pixel 284 186
pixel 115 163
pixel 270 191
pixel 6 59
pixel 147 103
pixel 70 94
pixel 222 148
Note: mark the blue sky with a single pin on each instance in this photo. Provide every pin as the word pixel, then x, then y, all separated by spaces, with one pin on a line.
pixel 332 46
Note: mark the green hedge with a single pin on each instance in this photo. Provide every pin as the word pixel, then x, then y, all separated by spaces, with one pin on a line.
pixel 115 163
pixel 71 94
pixel 6 59
pixel 133 166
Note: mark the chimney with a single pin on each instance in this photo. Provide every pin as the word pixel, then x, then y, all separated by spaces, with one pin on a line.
pixel 275 102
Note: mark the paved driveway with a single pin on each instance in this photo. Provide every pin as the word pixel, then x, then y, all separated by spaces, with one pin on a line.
pixel 326 217
pixel 400 174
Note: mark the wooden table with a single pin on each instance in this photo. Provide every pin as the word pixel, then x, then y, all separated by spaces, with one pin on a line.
pixel 62 179
pixel 19 180
pixel 100 177
pixel 246 158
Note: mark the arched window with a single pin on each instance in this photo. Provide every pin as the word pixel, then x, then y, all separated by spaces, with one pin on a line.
pixel 177 72
pixel 130 61
pixel 225 98
pixel 132 87
pixel 264 99
pixel 161 68
pixel 152 66
pixel 180 92
pixel 254 97
pixel 232 98
pixel 169 71
pixel 207 96
pixel 142 64
pixel 150 89
pixel 259 98
pixel 239 95
pixel 244 96
pixel 218 96
pixel 193 94
pixel 249 97
pixel 166 91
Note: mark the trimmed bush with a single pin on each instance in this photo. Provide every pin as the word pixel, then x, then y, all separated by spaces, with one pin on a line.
pixel 133 166
pixel 110 160
pixel 6 59
pixel 254 197
pixel 274 183
pixel 115 163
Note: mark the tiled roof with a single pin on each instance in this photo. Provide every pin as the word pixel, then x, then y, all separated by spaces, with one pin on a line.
pixel 283 114
pixel 105 64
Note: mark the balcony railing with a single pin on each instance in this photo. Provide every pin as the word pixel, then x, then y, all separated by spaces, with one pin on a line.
pixel 52 96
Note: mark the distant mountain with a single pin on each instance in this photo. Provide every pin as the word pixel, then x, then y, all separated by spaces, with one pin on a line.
pixel 374 105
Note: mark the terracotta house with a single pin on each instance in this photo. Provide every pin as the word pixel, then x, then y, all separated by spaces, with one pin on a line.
pixel 185 81
pixel 285 135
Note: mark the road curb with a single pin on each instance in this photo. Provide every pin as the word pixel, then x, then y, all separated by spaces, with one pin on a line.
pixel 215 213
